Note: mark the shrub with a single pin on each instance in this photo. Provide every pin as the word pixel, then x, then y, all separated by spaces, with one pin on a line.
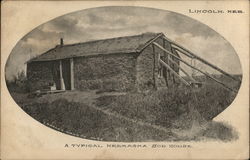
pixel 19 84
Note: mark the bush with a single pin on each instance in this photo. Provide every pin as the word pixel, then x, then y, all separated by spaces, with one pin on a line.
pixel 19 84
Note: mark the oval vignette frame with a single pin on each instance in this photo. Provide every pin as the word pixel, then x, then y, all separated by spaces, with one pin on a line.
pixel 94 24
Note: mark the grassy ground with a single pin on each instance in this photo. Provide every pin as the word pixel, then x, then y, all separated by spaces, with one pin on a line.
pixel 84 121
pixel 81 120
pixel 174 114
pixel 163 107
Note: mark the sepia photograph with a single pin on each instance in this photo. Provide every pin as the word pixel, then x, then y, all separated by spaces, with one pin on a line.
pixel 127 74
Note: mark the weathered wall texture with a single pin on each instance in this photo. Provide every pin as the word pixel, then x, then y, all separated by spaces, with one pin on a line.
pixel 144 69
pixel 110 72
pixel 160 79
pixel 41 74
pixel 148 68
pixel 105 72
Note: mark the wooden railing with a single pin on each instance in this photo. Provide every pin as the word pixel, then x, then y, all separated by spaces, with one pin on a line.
pixel 172 71
pixel 194 56
pixel 186 63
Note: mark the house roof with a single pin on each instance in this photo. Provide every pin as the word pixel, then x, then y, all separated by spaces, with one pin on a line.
pixel 128 44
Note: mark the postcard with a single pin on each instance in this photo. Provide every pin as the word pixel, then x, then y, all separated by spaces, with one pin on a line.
pixel 125 80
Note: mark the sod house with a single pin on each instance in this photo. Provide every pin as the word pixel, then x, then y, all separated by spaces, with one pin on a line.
pixel 128 63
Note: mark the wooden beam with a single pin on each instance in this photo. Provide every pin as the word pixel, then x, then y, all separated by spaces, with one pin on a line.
pixel 158 69
pixel 150 42
pixel 165 72
pixel 168 52
pixel 176 74
pixel 154 66
pixel 169 73
pixel 62 85
pixel 202 60
pixel 176 64
pixel 72 87
pixel 60 69
pixel 225 86
pixel 177 49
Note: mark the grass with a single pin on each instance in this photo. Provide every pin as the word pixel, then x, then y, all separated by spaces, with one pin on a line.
pixel 164 107
pixel 186 113
pixel 84 121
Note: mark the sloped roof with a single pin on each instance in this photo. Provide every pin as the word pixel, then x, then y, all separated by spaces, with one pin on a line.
pixel 128 44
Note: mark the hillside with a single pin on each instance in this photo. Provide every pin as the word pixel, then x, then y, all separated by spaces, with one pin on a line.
pixel 171 114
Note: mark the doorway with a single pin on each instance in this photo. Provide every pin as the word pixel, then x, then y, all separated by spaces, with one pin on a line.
pixel 66 73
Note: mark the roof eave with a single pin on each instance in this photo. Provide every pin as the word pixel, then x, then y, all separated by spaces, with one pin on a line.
pixel 149 42
pixel 55 59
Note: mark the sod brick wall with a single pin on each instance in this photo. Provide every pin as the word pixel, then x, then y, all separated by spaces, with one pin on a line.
pixel 110 72
pixel 148 69
pixel 105 72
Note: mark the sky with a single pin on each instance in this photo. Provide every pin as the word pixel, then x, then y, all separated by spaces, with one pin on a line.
pixel 109 22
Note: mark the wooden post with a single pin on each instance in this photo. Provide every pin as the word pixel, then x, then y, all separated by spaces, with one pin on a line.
pixel 225 86
pixel 62 86
pixel 72 87
pixel 201 59
pixel 177 65
pixel 164 46
pixel 169 73
pixel 154 66
pixel 172 65
pixel 165 70
pixel 180 51
pixel 174 73
pixel 158 64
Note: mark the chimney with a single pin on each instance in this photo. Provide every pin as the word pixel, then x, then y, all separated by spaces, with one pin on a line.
pixel 61 41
